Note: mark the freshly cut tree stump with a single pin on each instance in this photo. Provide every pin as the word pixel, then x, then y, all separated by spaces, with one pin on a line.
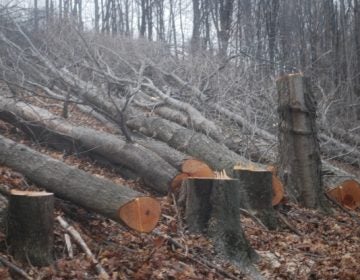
pixel 212 206
pixel 277 186
pixel 120 203
pixel 257 185
pixel 30 226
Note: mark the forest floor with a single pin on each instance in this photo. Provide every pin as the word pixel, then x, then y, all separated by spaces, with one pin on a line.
pixel 315 246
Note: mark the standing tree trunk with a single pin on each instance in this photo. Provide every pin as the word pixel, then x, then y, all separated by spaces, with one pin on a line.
pixel 195 38
pixel 30 226
pixel 300 164
pixel 36 15
pixel 97 15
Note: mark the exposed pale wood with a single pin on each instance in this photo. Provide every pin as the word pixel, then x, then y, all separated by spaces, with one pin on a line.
pixel 77 237
pixel 347 194
pixel 196 168
pixel 68 244
pixel 83 189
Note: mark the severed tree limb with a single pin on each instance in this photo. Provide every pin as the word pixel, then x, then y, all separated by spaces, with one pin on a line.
pixel 15 268
pixel 254 218
pixel 77 237
pixel 69 245
pixel 287 223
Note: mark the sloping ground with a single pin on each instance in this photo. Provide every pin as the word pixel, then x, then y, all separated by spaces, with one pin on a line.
pixel 323 247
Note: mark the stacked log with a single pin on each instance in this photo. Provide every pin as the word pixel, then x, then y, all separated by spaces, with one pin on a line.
pixel 61 134
pixel 120 203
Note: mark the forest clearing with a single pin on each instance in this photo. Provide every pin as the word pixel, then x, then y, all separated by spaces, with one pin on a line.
pixel 139 157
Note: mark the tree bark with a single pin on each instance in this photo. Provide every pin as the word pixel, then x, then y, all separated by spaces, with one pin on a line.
pixel 195 144
pixel 212 206
pixel 30 227
pixel 300 163
pixel 258 194
pixel 62 135
pixel 119 203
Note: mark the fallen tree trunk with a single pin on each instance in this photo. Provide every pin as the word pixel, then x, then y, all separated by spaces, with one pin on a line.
pixel 119 203
pixel 198 145
pixel 216 155
pixel 53 130
pixel 341 186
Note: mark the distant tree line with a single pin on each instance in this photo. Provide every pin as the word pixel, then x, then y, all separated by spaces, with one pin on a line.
pixel 318 37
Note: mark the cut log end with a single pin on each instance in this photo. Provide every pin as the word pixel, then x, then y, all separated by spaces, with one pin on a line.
pixel 177 181
pixel 196 168
pixel 141 214
pixel 30 193
pixel 347 194
pixel 278 190
pixel 191 168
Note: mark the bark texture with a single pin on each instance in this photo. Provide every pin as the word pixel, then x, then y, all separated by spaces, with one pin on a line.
pixel 257 189
pixel 195 144
pixel 117 202
pixel 30 227
pixel 300 164
pixel 62 135
pixel 212 206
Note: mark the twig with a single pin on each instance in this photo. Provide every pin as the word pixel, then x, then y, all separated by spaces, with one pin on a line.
pixel 15 268
pixel 290 226
pixel 69 245
pixel 77 237
pixel 255 219
pixel 197 259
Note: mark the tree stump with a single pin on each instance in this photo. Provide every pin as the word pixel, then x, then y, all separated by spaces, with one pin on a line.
pixel 30 226
pixel 257 185
pixel 212 207
pixel 300 164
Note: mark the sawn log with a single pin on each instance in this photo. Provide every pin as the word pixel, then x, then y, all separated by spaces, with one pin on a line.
pixel 120 203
